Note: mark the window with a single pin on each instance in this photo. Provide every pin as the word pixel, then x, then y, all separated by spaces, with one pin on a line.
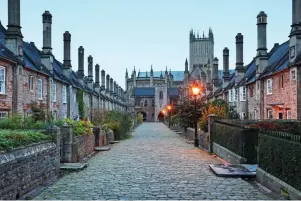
pixel 231 96
pixel 54 93
pixel 75 97
pixel 288 114
pixel 293 74
pixel 270 114
pixel 30 83
pixel 161 95
pixel 242 93
pixel 3 114
pixel 235 94
pixel 64 94
pixel 40 89
pixel 2 80
pixel 145 103
pixel 153 103
pixel 269 86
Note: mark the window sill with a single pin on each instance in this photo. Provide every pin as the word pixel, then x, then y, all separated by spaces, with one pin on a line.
pixel 64 103
pixel 40 99
pixel 269 93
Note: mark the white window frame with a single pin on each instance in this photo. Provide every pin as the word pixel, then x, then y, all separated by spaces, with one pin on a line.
pixel 268 114
pixel 54 92
pixel 293 74
pixel 74 95
pixel 30 83
pixel 3 84
pixel 3 114
pixel 288 114
pixel 64 94
pixel 242 115
pixel 40 89
pixel 270 86
pixel 242 93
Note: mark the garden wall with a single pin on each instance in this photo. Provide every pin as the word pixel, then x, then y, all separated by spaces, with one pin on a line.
pixel 236 139
pixel 25 169
pixel 279 155
pixel 82 147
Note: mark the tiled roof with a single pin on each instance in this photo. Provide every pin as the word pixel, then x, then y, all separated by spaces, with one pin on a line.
pixel 144 91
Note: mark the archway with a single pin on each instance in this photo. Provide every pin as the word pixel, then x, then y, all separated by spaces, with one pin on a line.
pixel 144 115
pixel 161 117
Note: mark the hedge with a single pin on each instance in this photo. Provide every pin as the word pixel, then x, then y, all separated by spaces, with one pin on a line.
pixel 281 157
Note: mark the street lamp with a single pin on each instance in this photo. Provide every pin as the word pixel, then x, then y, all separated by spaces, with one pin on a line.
pixel 169 114
pixel 195 92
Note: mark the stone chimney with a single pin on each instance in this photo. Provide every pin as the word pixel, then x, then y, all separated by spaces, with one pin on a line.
pixel 215 80
pixel 262 55
pixel 114 88
pixel 97 82
pixel 295 39
pixel 90 72
pixel 239 70
pixel 108 83
pixel 13 35
pixel 81 54
pixel 103 82
pixel 46 57
pixel 67 50
pixel 111 86
pixel 226 74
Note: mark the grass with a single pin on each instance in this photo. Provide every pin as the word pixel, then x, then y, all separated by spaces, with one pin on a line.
pixel 10 139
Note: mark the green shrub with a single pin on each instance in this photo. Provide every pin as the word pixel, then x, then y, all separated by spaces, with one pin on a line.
pixel 10 139
pixel 19 122
pixel 140 118
pixel 82 127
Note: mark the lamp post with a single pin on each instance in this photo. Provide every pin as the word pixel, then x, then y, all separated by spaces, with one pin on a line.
pixel 169 114
pixel 195 92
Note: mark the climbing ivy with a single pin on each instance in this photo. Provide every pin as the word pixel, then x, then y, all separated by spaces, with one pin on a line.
pixel 80 101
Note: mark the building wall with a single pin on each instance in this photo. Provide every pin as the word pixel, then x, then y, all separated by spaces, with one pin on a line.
pixel 252 103
pixel 6 99
pixel 160 103
pixel 286 95
pixel 58 107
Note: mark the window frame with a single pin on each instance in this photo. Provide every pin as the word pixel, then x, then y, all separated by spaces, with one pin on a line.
pixel 40 87
pixel 4 80
pixel 268 114
pixel 242 93
pixel 54 93
pixel 269 87
pixel 290 114
pixel 30 83
pixel 161 95
pixel 293 74
pixel 3 112
pixel 64 94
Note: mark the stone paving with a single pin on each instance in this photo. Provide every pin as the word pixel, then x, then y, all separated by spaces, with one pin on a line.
pixel 154 164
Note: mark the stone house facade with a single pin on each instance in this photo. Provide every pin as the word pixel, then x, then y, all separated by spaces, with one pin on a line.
pixel 33 76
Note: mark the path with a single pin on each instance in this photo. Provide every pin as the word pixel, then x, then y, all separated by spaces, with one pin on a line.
pixel 155 163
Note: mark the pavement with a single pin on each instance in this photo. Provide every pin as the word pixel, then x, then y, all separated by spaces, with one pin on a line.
pixel 154 164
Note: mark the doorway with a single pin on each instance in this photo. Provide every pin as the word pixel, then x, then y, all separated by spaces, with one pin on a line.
pixel 280 115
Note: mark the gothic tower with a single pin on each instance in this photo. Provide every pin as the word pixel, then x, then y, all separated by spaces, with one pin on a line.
pixel 201 50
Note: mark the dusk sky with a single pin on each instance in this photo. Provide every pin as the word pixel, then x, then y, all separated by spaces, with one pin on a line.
pixel 121 34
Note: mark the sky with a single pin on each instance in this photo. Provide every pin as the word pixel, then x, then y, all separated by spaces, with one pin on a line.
pixel 122 34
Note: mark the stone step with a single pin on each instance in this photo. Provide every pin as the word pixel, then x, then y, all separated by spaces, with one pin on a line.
pixel 73 166
pixel 222 170
pixel 102 148
pixel 178 132
pixel 114 142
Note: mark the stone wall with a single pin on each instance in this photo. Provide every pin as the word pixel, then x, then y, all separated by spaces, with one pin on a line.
pixel 25 169
pixel 82 147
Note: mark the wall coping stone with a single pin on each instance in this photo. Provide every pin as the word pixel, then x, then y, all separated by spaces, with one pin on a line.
pixel 228 155
pixel 24 152
pixel 276 184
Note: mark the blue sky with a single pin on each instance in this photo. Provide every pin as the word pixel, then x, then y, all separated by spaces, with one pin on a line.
pixel 120 34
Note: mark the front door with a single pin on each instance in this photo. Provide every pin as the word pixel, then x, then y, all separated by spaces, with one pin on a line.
pixel 280 115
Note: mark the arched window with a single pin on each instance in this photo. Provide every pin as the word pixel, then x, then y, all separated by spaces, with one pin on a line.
pixel 161 95
pixel 145 103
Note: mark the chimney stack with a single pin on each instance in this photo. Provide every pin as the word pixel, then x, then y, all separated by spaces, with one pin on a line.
pixel 67 50
pixel 90 68
pixel 114 88
pixel 295 39
pixel 80 72
pixel 151 84
pixel 262 55
pixel 215 73
pixel 47 21
pixel 239 70
pixel 103 77
pixel 46 56
pixel 13 35
pixel 111 86
pixel 108 83
pixel 226 74
pixel 97 82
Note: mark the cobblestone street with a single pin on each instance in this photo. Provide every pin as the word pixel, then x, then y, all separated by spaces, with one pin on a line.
pixel 155 163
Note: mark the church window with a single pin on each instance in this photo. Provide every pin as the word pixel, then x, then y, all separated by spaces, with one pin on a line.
pixel 161 95
pixel 145 103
